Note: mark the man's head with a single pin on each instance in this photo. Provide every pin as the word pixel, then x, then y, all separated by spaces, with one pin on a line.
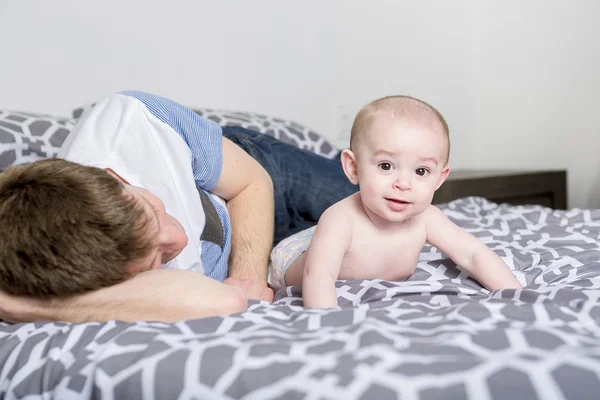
pixel 168 236
pixel 67 228
pixel 399 155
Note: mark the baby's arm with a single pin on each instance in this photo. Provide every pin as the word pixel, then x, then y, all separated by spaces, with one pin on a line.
pixel 324 259
pixel 468 252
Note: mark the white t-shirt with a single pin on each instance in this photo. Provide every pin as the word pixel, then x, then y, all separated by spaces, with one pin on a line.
pixel 166 148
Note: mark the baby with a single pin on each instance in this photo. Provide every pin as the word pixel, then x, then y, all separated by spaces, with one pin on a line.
pixel 399 149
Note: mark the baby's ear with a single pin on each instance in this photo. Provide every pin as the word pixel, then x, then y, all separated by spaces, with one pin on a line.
pixel 443 176
pixel 349 165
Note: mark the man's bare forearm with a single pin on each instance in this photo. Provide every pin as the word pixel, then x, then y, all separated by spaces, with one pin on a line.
pixel 163 295
pixel 252 214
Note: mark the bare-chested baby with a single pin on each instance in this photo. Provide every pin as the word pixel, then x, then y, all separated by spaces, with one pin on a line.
pixel 399 150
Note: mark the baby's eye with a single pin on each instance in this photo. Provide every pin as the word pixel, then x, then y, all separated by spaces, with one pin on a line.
pixel 422 171
pixel 385 166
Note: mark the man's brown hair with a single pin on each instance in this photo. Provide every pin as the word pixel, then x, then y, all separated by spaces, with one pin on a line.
pixel 397 106
pixel 66 228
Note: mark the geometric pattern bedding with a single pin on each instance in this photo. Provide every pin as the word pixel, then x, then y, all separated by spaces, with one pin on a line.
pixel 27 137
pixel 438 335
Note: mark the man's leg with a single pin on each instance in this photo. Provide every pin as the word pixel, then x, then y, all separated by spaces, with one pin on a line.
pixel 305 183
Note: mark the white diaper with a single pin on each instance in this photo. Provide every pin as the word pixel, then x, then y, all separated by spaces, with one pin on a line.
pixel 284 254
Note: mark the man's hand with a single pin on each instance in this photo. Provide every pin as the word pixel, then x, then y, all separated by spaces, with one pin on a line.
pixel 251 289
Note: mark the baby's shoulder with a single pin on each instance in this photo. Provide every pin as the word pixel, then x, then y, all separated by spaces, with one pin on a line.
pixel 346 205
pixel 344 212
pixel 433 216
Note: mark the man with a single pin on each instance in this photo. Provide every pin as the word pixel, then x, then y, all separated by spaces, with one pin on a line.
pixel 192 205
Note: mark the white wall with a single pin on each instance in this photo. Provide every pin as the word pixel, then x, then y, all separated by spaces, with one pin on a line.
pixel 536 66
pixel 515 79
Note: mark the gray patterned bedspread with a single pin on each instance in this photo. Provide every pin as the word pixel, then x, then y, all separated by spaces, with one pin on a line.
pixel 438 335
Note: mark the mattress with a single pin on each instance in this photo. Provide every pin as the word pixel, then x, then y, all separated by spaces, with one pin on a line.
pixel 437 335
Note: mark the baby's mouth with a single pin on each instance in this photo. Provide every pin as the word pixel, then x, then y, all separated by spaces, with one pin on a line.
pixel 397 201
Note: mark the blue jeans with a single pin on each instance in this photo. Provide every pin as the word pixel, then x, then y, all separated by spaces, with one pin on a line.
pixel 305 183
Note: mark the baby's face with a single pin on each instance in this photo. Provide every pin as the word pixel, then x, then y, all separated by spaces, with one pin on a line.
pixel 400 165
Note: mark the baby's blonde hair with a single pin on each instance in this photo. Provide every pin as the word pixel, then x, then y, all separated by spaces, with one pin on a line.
pixel 399 107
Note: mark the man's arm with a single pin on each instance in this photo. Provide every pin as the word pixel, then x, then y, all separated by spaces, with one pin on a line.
pixel 248 190
pixel 159 295
pixel 468 252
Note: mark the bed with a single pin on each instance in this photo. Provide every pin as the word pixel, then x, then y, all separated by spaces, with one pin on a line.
pixel 438 335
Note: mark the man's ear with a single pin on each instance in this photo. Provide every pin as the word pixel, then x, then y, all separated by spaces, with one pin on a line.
pixel 443 177
pixel 116 176
pixel 350 166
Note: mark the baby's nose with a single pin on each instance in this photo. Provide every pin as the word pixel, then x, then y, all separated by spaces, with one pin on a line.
pixel 402 182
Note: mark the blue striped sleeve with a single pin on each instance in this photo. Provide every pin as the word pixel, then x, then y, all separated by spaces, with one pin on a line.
pixel 203 136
